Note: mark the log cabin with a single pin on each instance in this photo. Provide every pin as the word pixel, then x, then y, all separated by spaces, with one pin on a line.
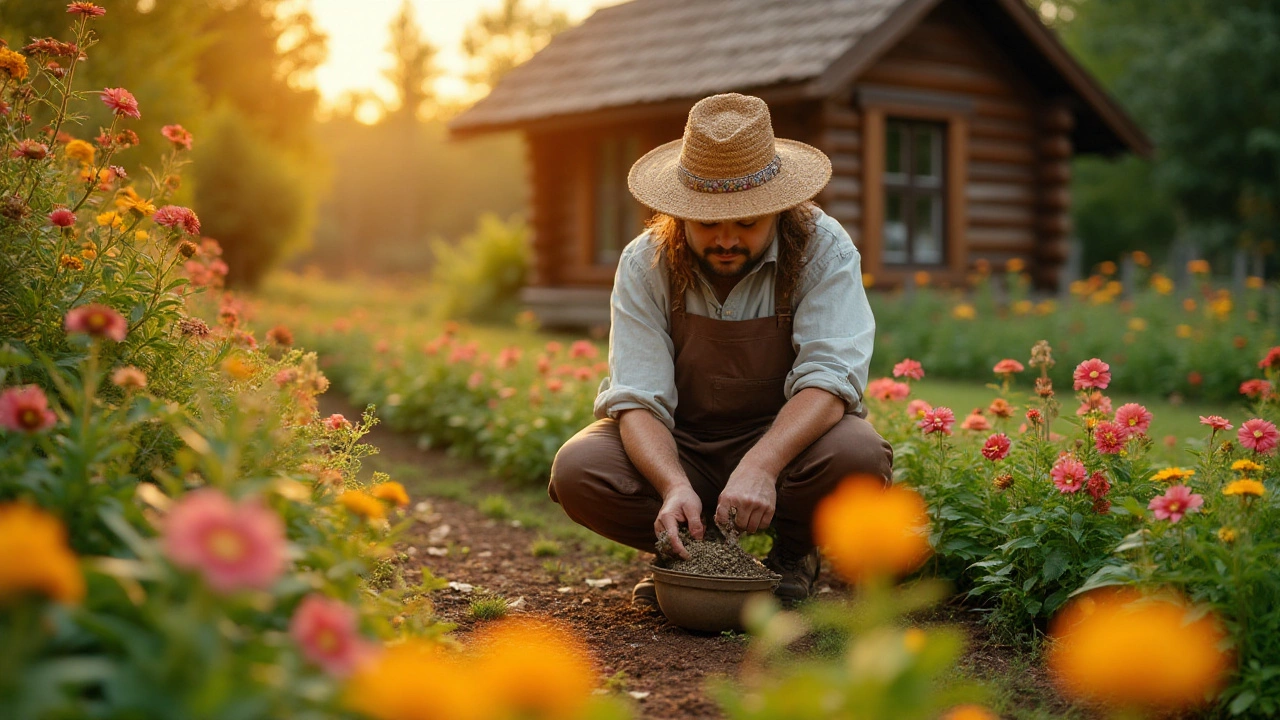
pixel 950 124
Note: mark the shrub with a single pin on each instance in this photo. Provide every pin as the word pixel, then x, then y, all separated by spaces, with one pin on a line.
pixel 480 278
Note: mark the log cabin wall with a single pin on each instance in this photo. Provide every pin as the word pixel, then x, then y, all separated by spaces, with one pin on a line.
pixel 550 206
pixel 948 70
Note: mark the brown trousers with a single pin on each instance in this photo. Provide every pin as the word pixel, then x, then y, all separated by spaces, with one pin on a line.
pixel 594 481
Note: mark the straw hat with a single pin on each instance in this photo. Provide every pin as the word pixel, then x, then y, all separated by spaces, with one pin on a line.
pixel 728 165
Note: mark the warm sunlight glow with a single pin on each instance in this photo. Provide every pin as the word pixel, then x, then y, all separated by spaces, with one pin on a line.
pixel 357 31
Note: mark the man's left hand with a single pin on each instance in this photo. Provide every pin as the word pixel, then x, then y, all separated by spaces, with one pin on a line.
pixel 754 493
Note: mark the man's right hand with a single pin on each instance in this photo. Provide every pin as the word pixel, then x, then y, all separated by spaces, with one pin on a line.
pixel 679 505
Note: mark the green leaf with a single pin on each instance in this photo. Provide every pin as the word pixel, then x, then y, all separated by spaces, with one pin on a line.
pixel 1242 702
pixel 1055 564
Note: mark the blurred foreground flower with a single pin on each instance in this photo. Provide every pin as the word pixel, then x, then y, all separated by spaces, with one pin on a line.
pixel 26 410
pixel 327 632
pixel 232 545
pixel 869 530
pixel 97 320
pixel 1127 651
pixel 35 557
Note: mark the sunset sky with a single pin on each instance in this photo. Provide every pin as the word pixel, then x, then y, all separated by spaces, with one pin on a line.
pixel 358 35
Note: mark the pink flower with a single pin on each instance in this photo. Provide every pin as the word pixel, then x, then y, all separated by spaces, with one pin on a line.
pixel 1216 422
pixel 1272 359
pixel 1109 437
pixel 583 349
pixel 1098 485
pixel 86 9
pixel 326 631
pixel 888 389
pixel 1255 388
pixel 1068 473
pixel 917 408
pixel 122 102
pixel 26 410
pixel 996 447
pixel 337 421
pixel 939 419
pixel 178 135
pixel 175 216
pixel 1134 418
pixel 1094 402
pixel 96 321
pixel 976 421
pixel 31 150
pixel 62 217
pixel 1007 366
pixel 1259 436
pixel 908 368
pixel 583 374
pixel 1174 503
pixel 232 545
pixel 1092 373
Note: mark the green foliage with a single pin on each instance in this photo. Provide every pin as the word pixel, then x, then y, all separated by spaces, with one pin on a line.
pixel 545 548
pixel 496 507
pixel 488 608
pixel 480 279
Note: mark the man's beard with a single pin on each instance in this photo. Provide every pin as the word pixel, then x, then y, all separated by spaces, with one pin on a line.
pixel 710 269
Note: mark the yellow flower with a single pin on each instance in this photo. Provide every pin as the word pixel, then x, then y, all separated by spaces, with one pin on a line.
pixel 1046 307
pixel 416 680
pixel 1253 282
pixel 1137 324
pixel 1015 265
pixel 1246 465
pixel 1198 267
pixel 914 639
pixel 868 280
pixel 1023 307
pixel 362 504
pixel 142 207
pixel 71 262
pixel 1161 284
pixel 1123 650
pixel 1173 474
pixel 13 63
pixel 35 557
pixel 1227 535
pixel 141 234
pixel 964 311
pixel 1221 307
pixel 532 669
pixel 88 253
pixel 1245 486
pixel 1183 331
pixel 393 492
pixel 111 218
pixel 238 368
pixel 1081 287
pixel 868 530
pixel 80 150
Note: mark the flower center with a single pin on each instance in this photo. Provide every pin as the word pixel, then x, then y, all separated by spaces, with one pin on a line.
pixel 97 320
pixel 226 545
pixel 29 418
pixel 327 640
pixel 1175 506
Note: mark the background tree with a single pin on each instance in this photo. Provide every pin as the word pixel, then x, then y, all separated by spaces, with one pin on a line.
pixel 413 67
pixel 501 39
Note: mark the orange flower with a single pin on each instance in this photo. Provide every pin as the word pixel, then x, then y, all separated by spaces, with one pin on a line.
pixel 35 557
pixel 534 669
pixel 416 680
pixel 362 504
pixel 868 530
pixel 1124 650
pixel 392 492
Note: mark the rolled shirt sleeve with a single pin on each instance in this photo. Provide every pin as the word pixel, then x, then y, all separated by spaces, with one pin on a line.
pixel 834 330
pixel 640 375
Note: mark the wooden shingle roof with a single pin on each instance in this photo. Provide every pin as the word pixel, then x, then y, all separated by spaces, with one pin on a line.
pixel 652 50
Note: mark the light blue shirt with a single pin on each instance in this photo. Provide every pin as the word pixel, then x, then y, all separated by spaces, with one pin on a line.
pixel 833 330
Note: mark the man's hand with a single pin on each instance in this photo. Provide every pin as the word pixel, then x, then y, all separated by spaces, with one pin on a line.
pixel 681 504
pixel 754 493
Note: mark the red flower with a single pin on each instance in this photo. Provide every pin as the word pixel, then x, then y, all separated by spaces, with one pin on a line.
pixel 1109 437
pixel 996 447
pixel 86 9
pixel 337 421
pixel 62 217
pixel 31 150
pixel 1216 422
pixel 175 216
pixel 1034 417
pixel 888 389
pixel 1092 373
pixel 1068 474
pixel 97 321
pixel 1255 388
pixel 1272 360
pixel 178 135
pixel 1098 486
pixel 1194 378
pixel 26 410
pixel 1134 418
pixel 1007 366
pixel 939 419
pixel 909 368
pixel 122 102
pixel 1259 436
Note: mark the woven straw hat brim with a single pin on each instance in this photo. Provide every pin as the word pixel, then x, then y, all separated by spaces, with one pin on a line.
pixel 655 181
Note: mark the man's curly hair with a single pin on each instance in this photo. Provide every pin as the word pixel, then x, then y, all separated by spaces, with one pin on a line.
pixel 795 226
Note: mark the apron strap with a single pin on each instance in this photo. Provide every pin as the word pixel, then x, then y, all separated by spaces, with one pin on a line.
pixel 781 301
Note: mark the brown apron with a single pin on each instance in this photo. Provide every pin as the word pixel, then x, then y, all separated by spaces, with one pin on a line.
pixel 730 378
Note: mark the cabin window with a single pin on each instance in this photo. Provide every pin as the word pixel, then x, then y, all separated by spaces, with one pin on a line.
pixel 618 217
pixel 914 193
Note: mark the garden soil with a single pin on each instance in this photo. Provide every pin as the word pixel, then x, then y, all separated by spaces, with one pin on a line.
pixel 662 668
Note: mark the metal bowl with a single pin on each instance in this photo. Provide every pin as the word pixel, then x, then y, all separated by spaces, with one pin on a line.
pixel 706 603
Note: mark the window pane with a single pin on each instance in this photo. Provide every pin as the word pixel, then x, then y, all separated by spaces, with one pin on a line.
pixel 895 228
pixel 927 236
pixel 607 244
pixel 925 152
pixel 895 149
